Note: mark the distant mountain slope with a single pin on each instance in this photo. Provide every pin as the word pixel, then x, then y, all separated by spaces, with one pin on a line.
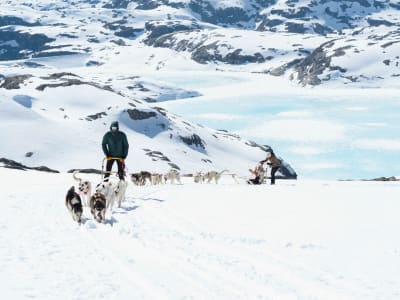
pixel 60 119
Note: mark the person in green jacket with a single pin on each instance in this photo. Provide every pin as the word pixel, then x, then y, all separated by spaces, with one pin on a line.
pixel 115 147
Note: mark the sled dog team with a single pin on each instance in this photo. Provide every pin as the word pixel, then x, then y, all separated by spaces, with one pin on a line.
pixel 106 195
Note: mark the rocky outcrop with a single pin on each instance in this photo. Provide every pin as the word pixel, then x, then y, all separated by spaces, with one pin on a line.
pixel 12 20
pixel 13 82
pixel 193 140
pixel 319 61
pixel 11 164
pixel 96 116
pixel 156 29
pixel 18 45
pixel 136 114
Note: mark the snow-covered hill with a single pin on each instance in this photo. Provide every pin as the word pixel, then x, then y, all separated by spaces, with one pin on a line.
pixel 60 120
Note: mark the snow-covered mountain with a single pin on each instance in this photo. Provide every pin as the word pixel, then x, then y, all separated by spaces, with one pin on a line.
pixel 250 35
pixel 98 58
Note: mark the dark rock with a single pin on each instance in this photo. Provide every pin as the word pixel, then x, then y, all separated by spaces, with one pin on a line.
pixel 118 4
pixel 96 116
pixel 31 64
pixel 157 29
pixel 13 82
pixel 11 20
pixel 228 15
pixel 26 44
pixel 174 166
pixel 93 63
pixel 86 171
pixel 279 71
pixel 11 164
pixel 193 140
pixel 309 68
pixel 28 154
pixel 59 75
pixel 136 114
pixel 54 53
pixel 129 32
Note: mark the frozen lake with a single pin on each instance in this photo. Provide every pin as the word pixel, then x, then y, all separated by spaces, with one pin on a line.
pixel 327 134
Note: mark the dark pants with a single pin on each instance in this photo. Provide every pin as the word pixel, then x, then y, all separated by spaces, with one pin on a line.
pixel 273 171
pixel 254 181
pixel 109 165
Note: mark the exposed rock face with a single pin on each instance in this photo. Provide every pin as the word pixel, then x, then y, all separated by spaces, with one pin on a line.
pixel 228 15
pixel 11 20
pixel 13 82
pixel 96 116
pixel 309 68
pixel 193 140
pixel 136 114
pixel 18 45
pixel 11 164
pixel 156 29
pixel 85 171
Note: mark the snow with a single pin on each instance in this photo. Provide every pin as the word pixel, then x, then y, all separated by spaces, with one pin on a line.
pixel 295 240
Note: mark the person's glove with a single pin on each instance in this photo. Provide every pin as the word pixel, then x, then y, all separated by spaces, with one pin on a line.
pixel 121 160
pixel 109 158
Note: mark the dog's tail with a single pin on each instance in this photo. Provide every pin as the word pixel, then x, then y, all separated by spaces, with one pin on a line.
pixel 76 177
pixel 222 172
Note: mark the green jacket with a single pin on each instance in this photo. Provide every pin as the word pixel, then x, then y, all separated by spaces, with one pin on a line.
pixel 115 144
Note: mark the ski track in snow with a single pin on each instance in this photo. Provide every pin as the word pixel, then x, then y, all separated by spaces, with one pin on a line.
pixel 150 248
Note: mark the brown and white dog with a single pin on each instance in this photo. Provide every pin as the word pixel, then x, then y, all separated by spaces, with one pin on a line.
pixel 97 206
pixel 84 188
pixel 213 175
pixel 74 204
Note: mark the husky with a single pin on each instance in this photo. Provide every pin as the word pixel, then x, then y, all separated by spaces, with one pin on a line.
pixel 109 190
pixel 172 175
pixel 84 188
pixel 120 192
pixel 74 204
pixel 156 178
pixel 98 207
pixel 213 175
pixel 198 177
pixel 141 177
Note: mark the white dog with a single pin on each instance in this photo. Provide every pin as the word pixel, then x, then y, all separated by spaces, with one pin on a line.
pixel 84 188
pixel 213 175
pixel 198 177
pixel 172 175
pixel 156 178
pixel 108 190
pixel 114 192
pixel 120 192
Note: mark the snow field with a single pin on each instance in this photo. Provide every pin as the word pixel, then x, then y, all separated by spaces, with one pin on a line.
pixel 294 240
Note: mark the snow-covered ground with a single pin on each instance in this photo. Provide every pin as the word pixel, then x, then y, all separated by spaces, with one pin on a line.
pixel 295 240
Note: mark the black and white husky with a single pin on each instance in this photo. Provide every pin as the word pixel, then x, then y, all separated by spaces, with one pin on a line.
pixel 97 206
pixel 74 204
